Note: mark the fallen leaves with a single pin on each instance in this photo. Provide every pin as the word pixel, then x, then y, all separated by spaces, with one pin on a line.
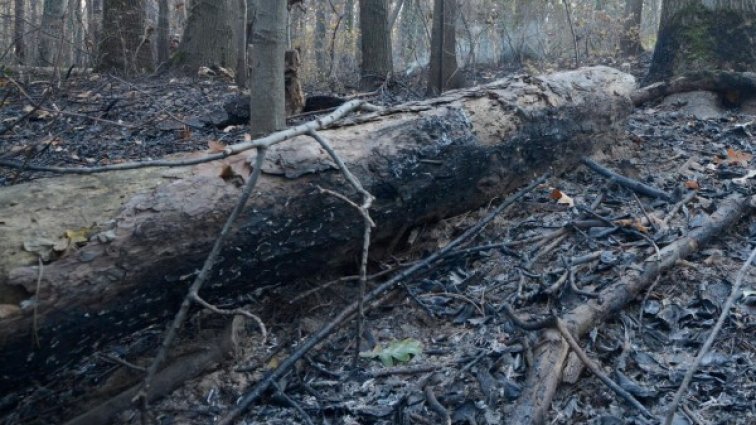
pixel 397 351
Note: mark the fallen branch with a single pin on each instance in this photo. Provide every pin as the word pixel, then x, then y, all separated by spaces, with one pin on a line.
pixel 545 374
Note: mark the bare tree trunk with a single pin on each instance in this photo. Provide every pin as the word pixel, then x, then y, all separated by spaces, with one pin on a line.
pixel 241 44
pixel 444 73
pixel 18 29
pixel 377 63
pixel 94 28
pixel 701 36
pixel 52 29
pixel 320 36
pixel 209 36
pixel 349 15
pixel 266 73
pixel 125 43
pixel 630 41
pixel 163 30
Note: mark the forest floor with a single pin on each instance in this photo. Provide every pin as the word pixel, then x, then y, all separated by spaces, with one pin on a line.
pixel 444 332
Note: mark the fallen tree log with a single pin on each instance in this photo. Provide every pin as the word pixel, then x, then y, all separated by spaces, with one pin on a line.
pixel 131 240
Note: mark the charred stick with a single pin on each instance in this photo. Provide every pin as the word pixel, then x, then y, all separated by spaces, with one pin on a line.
pixel 627 182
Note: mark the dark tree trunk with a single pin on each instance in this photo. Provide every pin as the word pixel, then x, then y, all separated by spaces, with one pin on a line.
pixel 163 30
pixel 699 36
pixel 209 38
pixel 444 73
pixel 320 37
pixel 125 45
pixel 18 31
pixel 52 31
pixel 375 43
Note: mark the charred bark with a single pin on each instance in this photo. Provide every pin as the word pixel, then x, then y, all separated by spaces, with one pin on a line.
pixel 149 228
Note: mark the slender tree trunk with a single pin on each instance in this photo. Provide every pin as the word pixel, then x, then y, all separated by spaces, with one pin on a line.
pixel 52 30
pixel 18 29
pixel 209 38
pixel 630 42
pixel 94 29
pixel 266 79
pixel 444 73
pixel 241 44
pixel 698 36
pixel 349 15
pixel 125 45
pixel 377 63
pixel 320 36
pixel 163 30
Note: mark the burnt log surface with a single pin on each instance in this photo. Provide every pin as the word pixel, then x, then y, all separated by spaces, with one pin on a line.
pixel 152 228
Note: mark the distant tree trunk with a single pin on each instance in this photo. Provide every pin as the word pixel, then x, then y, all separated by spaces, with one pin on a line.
pixel 320 36
pixel 349 15
pixel 630 42
pixel 163 30
pixel 52 30
pixel 76 31
pixel 18 31
pixel 241 44
pixel 94 27
pixel 697 36
pixel 209 36
pixel 180 8
pixel 395 14
pixel 266 76
pixel 375 43
pixel 444 73
pixel 125 42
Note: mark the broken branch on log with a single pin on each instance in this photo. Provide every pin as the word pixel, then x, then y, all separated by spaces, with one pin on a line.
pixel 740 85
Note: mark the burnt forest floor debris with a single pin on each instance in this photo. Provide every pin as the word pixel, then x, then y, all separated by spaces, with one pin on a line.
pixel 441 347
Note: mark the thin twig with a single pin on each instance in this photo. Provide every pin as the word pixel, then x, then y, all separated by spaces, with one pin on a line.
pixel 201 278
pixel 734 293
pixel 593 367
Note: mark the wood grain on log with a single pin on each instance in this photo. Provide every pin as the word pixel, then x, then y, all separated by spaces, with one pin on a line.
pixel 150 228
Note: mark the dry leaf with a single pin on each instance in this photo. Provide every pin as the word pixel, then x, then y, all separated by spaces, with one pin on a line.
pixel 216 146
pixel 692 185
pixel 738 158
pixel 562 198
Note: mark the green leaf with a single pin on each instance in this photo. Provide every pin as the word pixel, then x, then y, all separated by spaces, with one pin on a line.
pixel 397 351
